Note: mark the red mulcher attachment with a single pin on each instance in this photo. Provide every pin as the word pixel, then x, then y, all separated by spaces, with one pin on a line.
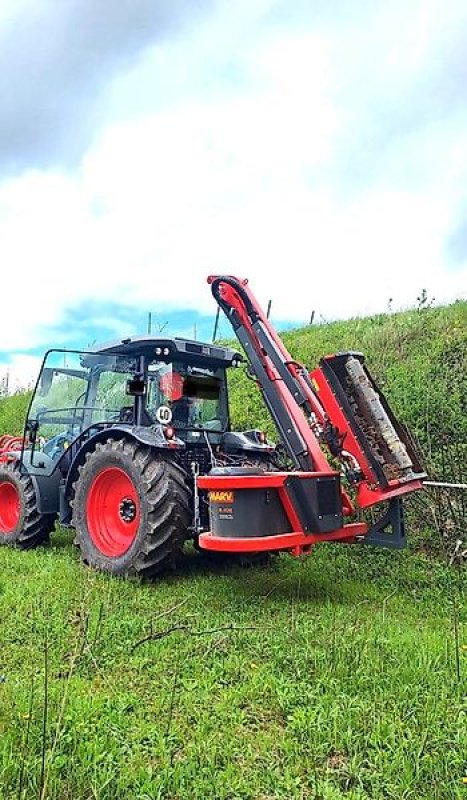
pixel 338 408
pixel 9 445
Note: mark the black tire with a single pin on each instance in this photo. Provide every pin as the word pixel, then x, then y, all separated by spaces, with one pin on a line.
pixel 21 525
pixel 162 499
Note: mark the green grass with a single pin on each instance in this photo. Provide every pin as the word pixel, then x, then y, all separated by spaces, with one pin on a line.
pixel 332 676
pixel 13 412
pixel 341 675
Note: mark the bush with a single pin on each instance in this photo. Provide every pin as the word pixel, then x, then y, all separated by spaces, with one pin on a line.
pixel 13 411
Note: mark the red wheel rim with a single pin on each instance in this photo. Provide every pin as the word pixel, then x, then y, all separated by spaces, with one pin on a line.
pixel 10 507
pixel 112 512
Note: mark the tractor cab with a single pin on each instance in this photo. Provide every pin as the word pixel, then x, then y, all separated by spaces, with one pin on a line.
pixel 171 384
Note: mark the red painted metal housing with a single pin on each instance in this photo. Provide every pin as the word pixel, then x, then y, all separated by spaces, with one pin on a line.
pixel 297 541
pixel 232 298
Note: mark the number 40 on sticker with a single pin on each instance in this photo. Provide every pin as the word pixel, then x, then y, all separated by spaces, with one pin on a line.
pixel 164 415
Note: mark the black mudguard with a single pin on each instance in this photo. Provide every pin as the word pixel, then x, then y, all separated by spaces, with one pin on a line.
pixel 151 437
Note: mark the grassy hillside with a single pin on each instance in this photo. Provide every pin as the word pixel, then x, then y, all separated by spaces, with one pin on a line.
pixel 340 676
pixel 13 412
pixel 419 358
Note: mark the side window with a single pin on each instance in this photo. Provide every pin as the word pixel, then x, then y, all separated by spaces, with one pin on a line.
pixel 111 391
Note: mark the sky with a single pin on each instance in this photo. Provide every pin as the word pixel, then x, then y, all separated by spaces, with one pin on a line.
pixel 316 147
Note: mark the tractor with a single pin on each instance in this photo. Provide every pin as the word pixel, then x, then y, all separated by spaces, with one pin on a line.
pixel 114 441
pixel 131 445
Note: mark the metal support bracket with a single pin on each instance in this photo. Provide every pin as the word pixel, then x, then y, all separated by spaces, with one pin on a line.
pixel 389 530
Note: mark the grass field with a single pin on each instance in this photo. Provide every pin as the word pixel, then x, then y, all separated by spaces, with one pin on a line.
pixel 339 675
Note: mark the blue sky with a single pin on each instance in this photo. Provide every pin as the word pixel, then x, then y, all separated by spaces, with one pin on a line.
pixel 96 322
pixel 319 149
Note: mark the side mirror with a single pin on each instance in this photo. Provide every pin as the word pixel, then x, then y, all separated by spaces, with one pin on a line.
pixel 32 427
pixel 136 386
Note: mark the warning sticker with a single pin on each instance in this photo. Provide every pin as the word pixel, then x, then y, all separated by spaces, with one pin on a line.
pixel 315 384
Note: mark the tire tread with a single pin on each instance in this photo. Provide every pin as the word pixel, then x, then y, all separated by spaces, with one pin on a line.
pixel 168 509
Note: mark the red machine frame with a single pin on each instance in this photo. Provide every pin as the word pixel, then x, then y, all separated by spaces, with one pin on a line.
pixel 308 415
pixel 297 541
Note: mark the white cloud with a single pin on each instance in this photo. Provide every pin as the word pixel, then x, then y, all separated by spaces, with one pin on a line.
pixel 249 180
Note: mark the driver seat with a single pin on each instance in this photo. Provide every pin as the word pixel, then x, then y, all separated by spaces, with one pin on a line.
pixel 127 414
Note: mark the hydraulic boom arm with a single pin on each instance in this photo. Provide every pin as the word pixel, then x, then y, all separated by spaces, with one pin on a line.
pixel 338 407
pixel 285 385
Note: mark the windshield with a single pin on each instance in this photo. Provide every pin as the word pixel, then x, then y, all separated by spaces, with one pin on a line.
pixel 76 391
pixel 187 397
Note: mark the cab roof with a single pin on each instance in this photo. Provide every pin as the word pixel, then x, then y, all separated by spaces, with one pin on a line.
pixel 171 349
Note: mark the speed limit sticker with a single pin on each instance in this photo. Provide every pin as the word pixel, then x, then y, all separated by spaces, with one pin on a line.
pixel 164 415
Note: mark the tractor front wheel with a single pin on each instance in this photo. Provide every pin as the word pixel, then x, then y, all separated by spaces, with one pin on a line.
pixel 131 509
pixel 21 524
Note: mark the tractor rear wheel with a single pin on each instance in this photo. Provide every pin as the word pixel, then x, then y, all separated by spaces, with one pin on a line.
pixel 21 524
pixel 131 509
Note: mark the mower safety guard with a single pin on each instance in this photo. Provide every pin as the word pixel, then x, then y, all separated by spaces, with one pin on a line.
pixel 367 429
